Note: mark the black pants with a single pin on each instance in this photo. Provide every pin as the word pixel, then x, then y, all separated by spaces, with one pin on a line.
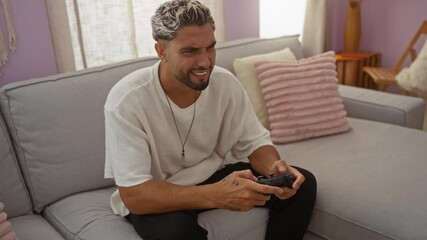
pixel 288 218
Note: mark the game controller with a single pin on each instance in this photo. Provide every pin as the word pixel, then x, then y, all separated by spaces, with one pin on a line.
pixel 284 180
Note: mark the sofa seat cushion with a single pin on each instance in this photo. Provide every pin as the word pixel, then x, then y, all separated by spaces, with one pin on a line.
pixel 371 181
pixel 225 224
pixel 88 215
pixel 34 227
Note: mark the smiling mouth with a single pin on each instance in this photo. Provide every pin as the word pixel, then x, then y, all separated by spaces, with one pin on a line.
pixel 200 72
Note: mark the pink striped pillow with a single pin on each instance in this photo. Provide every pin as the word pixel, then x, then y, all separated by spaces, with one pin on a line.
pixel 302 98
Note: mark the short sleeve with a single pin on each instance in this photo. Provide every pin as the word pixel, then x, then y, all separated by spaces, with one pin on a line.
pixel 127 152
pixel 252 134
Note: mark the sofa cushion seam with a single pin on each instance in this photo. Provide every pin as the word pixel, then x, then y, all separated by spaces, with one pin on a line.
pixel 51 227
pixel 63 225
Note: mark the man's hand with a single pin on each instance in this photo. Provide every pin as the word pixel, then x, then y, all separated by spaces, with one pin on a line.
pixel 279 167
pixel 239 191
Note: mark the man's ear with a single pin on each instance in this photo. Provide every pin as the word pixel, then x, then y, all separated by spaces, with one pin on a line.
pixel 161 50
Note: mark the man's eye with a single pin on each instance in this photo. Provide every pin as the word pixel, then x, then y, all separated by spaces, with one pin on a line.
pixel 189 51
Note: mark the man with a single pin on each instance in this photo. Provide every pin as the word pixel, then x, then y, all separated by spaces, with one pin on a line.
pixel 169 128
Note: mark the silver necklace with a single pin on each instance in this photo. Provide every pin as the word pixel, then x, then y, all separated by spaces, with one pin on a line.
pixel 176 124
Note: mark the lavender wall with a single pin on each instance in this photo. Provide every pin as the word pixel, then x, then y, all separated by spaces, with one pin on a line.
pixel 387 26
pixel 34 56
pixel 241 18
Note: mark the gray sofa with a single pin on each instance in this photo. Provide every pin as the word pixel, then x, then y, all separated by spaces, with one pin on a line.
pixel 371 180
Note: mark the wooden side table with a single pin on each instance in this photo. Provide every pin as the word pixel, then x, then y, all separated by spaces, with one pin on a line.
pixel 350 65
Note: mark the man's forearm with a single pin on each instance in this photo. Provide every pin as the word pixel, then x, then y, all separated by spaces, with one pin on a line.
pixel 153 197
pixel 263 158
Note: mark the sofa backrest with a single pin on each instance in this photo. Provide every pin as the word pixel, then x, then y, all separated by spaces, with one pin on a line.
pixel 13 192
pixel 57 126
pixel 57 122
pixel 227 52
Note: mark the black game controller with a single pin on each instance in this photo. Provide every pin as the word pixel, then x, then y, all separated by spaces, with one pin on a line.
pixel 284 180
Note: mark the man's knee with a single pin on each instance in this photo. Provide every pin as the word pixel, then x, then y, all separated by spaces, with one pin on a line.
pixel 309 187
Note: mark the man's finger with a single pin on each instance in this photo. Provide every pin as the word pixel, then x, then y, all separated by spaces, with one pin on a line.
pixel 246 174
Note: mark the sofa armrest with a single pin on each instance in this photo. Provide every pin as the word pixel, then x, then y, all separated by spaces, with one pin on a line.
pixel 384 107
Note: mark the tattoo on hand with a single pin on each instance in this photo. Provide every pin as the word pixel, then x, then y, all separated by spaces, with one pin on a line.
pixel 236 183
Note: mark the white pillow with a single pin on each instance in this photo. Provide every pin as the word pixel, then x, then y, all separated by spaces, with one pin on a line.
pixel 245 72
pixel 414 78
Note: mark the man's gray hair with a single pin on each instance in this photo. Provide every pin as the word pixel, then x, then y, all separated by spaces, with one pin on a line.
pixel 172 15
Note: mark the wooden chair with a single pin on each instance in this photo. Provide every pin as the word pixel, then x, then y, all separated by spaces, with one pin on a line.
pixel 384 77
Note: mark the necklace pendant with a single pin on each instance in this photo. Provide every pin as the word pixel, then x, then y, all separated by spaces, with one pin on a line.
pixel 183 142
pixel 183 155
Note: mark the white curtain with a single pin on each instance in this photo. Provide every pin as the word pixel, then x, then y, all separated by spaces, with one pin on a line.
pixel 8 42
pixel 314 31
pixel 290 17
pixel 89 33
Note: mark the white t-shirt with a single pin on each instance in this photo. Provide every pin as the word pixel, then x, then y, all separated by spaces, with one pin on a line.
pixel 142 142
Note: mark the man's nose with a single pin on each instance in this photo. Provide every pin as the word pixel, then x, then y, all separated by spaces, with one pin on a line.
pixel 204 59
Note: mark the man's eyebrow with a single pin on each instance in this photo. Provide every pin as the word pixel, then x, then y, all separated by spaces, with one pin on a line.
pixel 197 48
pixel 189 48
pixel 212 44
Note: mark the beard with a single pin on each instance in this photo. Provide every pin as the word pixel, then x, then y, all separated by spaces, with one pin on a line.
pixel 186 78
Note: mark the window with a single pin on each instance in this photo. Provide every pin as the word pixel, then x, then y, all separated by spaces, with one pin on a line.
pixel 284 17
pixel 289 17
pixel 89 33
